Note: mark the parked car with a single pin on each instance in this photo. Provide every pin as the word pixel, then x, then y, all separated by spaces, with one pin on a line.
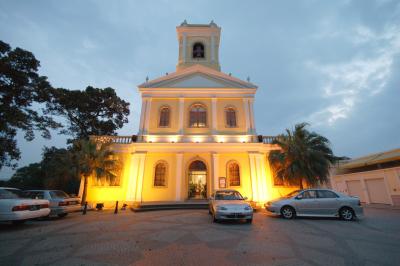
pixel 230 205
pixel 60 202
pixel 15 207
pixel 316 202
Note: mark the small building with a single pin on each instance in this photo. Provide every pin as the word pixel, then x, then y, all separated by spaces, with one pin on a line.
pixel 197 133
pixel 374 178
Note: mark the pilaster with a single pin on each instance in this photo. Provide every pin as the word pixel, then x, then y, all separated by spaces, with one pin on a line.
pixel 215 166
pixel 178 174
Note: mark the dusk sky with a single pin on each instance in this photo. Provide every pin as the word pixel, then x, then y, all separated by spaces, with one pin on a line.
pixel 334 64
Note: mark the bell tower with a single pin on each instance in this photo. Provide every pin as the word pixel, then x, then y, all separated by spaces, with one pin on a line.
pixel 198 44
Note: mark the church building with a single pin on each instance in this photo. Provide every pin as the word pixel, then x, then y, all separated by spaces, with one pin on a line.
pixel 197 134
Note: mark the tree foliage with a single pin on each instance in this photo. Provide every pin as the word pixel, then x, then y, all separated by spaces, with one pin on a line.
pixel 56 170
pixel 20 88
pixel 94 159
pixel 303 156
pixel 93 111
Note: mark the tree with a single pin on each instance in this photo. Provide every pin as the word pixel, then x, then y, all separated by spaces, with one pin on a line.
pixel 303 156
pixel 27 177
pixel 93 111
pixel 94 159
pixel 60 169
pixel 20 88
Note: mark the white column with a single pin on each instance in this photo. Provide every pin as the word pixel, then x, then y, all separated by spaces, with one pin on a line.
pixel 262 178
pixel 142 115
pixel 246 114
pixel 212 48
pixel 136 172
pixel 178 174
pixel 181 112
pixel 215 164
pixel 214 115
pixel 147 117
pixel 253 128
pixel 184 47
pixel 253 176
pixel 140 176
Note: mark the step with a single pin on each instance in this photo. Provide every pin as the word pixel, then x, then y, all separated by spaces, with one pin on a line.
pixel 170 206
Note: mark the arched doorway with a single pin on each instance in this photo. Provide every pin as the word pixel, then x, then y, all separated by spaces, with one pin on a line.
pixel 197 180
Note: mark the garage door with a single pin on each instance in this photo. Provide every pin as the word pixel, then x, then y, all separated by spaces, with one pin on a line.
pixel 354 188
pixel 377 191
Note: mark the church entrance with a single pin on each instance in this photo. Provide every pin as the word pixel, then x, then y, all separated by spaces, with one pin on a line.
pixel 197 180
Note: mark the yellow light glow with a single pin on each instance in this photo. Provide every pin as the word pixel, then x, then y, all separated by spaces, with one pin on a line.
pixel 173 139
pixel 221 139
pixel 243 139
pixel 151 139
pixel 197 139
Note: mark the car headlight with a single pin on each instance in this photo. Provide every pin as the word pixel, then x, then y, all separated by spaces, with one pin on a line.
pixel 247 208
pixel 222 208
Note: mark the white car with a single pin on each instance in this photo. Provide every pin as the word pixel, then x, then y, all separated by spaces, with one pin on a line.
pixel 60 202
pixel 229 204
pixel 14 207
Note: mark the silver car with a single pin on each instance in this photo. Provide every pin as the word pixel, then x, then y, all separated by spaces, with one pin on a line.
pixel 318 203
pixel 229 204
pixel 60 202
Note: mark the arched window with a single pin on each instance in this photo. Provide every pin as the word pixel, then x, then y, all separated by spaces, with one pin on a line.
pixel 198 50
pixel 160 175
pixel 198 116
pixel 230 114
pixel 233 174
pixel 164 117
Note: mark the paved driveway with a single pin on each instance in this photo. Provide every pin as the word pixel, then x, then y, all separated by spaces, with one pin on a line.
pixel 188 237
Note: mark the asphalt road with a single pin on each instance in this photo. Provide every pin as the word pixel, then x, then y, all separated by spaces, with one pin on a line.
pixel 188 237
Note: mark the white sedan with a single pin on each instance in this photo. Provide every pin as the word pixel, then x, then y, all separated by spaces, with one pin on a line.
pixel 229 204
pixel 14 207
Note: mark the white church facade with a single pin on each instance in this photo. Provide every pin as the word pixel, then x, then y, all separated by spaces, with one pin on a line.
pixel 197 134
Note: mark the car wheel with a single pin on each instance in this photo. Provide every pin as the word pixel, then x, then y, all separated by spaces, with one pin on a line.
pixel 288 212
pixel 249 221
pixel 61 215
pixel 346 214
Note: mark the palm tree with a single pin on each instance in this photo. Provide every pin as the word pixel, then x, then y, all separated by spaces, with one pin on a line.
pixel 303 156
pixel 94 159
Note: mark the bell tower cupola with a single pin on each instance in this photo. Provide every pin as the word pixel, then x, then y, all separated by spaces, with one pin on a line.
pixel 198 44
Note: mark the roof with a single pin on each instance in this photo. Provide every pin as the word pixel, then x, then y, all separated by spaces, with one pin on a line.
pixel 172 79
pixel 376 158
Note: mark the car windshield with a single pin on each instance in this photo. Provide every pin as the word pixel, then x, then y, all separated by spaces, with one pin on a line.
pixel 293 193
pixel 58 194
pixel 228 195
pixel 11 194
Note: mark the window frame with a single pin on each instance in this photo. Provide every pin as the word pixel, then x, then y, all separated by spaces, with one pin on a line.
pixel 198 120
pixel 228 173
pixel 168 119
pixel 325 190
pixel 165 174
pixel 228 109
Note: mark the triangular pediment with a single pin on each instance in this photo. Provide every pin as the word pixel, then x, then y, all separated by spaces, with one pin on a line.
pixel 198 80
pixel 197 77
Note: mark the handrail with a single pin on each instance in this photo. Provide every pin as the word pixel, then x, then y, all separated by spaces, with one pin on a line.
pixel 114 139
pixel 268 139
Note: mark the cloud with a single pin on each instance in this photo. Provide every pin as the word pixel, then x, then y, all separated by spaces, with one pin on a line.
pixel 347 83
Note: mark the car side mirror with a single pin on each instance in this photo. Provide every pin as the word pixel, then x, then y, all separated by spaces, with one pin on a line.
pixel 299 197
pixel 245 198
